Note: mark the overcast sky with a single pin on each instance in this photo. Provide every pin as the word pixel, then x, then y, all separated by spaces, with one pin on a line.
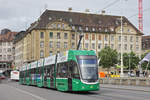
pixel 17 15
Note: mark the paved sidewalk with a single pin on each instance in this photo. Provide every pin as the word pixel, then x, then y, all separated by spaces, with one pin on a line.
pixel 135 88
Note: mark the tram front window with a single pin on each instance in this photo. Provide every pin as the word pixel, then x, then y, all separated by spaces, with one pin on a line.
pixel 88 67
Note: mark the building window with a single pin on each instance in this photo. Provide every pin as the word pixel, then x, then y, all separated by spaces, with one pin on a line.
pixel 93 45
pixel 0 43
pixel 9 50
pixel 4 50
pixel 0 50
pixel 41 54
pixel 4 44
pixel 131 39
pixel 42 35
pixel 73 36
pixel 51 34
pixel 4 57
pixel 129 30
pixel 51 44
pixel 112 38
pixel 58 35
pixel 125 46
pixel 65 44
pixel 131 47
pixel 50 53
pixel 137 47
pixel 93 36
pixel 137 39
pixel 9 57
pixel 9 43
pixel 99 45
pixel 58 26
pixel 86 36
pixel 58 44
pixel 106 45
pixel 119 38
pixel 0 57
pixel 63 26
pixel 58 51
pixel 86 45
pixel 80 47
pixel 112 46
pixel 105 38
pixel 125 38
pixel 86 28
pixel 73 45
pixel 65 35
pixel 119 46
pixel 99 37
pixel 42 44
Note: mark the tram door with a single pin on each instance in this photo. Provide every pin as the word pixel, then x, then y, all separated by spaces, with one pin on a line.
pixel 70 76
pixel 45 76
pixel 52 77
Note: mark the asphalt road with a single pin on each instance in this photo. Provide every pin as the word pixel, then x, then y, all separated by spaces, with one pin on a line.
pixel 14 91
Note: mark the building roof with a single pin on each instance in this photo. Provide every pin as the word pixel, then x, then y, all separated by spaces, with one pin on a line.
pixel 145 42
pixel 19 36
pixel 7 37
pixel 99 22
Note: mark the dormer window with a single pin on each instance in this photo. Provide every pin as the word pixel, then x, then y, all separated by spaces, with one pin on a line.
pixel 80 28
pixel 106 30
pixel 100 29
pixel 116 22
pixel 70 20
pixel 86 28
pixel 93 29
pixel 73 27
pixel 112 29
pixel 50 18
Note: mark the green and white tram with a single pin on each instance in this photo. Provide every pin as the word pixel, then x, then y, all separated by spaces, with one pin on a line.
pixel 73 70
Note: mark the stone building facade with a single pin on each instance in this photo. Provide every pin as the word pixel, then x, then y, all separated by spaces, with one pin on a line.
pixel 57 31
pixel 6 50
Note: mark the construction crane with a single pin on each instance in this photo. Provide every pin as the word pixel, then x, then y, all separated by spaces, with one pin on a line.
pixel 140 15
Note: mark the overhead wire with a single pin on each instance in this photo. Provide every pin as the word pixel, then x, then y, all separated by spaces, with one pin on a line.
pixel 148 9
pixel 111 4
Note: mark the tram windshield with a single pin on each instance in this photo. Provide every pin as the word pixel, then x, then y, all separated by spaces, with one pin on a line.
pixel 88 67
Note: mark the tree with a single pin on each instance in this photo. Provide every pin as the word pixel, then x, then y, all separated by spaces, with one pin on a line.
pixel 108 57
pixel 130 60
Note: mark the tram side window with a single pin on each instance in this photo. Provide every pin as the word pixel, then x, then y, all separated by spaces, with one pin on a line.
pixel 21 74
pixel 51 70
pixel 62 70
pixel 73 69
pixel 32 73
pixel 27 73
pixel 45 72
pixel 48 71
pixel 39 72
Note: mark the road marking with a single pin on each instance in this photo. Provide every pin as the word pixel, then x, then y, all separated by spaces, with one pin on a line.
pixel 28 93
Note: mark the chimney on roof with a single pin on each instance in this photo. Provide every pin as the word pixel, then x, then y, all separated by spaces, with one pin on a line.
pixel 70 9
pixel 87 10
pixel 103 12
